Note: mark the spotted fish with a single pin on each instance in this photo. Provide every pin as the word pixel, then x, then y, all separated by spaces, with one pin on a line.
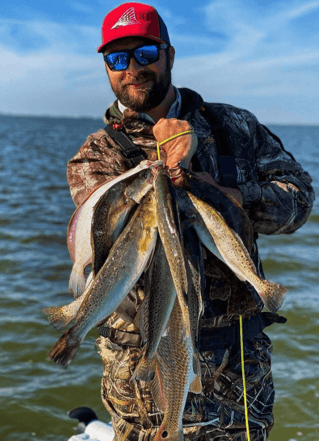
pixel 79 229
pixel 160 295
pixel 127 260
pixel 170 238
pixel 236 256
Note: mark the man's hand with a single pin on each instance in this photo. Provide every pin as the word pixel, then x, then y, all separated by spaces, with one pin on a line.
pixel 180 149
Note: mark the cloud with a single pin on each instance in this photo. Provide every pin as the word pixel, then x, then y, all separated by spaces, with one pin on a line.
pixel 263 58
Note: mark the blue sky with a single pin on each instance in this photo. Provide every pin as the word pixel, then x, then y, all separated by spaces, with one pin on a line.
pixel 259 55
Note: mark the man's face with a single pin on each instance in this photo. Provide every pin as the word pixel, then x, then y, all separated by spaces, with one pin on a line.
pixel 140 88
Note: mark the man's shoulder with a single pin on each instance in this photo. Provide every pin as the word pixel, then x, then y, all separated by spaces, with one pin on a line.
pixel 230 111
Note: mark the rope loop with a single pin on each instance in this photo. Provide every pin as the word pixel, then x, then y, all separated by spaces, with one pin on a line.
pixel 158 144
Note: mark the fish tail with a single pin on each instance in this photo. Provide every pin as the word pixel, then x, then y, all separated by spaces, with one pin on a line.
pixel 59 316
pixel 164 435
pixel 76 283
pixel 273 295
pixel 145 370
pixel 65 349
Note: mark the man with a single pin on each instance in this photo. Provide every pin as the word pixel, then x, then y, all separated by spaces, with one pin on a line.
pixel 229 149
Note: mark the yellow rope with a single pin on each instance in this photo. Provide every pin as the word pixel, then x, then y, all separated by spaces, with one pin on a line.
pixel 169 139
pixel 243 373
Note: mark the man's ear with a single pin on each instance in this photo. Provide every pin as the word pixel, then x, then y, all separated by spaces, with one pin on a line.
pixel 171 54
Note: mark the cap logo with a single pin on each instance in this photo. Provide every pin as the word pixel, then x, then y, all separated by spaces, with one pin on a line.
pixel 126 19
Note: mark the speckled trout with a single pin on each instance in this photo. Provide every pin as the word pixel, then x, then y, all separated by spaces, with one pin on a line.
pixel 160 295
pixel 127 260
pixel 79 229
pixel 236 256
pixel 111 212
pixel 174 377
pixel 170 238
pixel 234 215
pixel 109 219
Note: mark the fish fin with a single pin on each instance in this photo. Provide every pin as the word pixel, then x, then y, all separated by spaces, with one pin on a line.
pixel 240 277
pixel 57 318
pixel 76 283
pixel 196 385
pixel 145 370
pixel 273 295
pixel 61 316
pixel 65 349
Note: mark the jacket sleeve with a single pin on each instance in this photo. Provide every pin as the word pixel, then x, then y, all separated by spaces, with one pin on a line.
pixel 97 162
pixel 280 199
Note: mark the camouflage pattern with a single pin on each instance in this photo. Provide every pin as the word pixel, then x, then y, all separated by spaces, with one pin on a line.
pixel 278 198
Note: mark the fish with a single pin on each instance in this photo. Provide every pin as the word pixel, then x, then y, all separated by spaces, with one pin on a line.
pixel 236 256
pixel 194 261
pixel 240 298
pixel 230 209
pixel 113 210
pixel 127 260
pixel 140 186
pixel 79 229
pixel 170 238
pixel 160 295
pixel 174 377
pixel 110 215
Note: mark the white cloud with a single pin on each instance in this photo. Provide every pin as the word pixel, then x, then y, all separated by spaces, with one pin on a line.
pixel 261 64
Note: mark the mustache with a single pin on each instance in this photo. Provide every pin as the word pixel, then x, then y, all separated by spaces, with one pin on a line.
pixel 140 78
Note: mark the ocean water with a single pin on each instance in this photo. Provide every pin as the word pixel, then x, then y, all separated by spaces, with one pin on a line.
pixel 35 207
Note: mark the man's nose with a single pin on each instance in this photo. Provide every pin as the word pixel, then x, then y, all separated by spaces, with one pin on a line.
pixel 134 68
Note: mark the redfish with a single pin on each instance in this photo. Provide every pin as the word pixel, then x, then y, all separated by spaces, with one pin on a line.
pixel 174 377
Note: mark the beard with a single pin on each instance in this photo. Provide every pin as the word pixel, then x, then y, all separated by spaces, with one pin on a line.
pixel 148 97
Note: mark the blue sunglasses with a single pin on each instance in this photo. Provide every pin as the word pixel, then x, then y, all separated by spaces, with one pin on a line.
pixel 144 55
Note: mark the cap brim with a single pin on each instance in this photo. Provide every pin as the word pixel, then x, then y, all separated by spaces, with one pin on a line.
pixel 103 45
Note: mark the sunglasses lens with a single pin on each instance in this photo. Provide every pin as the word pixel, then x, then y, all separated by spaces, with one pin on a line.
pixel 143 55
pixel 146 54
pixel 117 60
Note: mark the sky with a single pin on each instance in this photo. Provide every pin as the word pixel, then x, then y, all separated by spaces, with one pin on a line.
pixel 261 55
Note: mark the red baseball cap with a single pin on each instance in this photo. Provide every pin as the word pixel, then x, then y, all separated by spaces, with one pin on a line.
pixel 133 20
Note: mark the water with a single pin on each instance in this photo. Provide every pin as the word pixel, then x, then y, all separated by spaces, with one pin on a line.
pixel 35 206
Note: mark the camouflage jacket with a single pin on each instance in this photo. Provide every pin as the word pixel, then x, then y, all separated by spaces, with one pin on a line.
pixel 277 196
pixel 277 192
